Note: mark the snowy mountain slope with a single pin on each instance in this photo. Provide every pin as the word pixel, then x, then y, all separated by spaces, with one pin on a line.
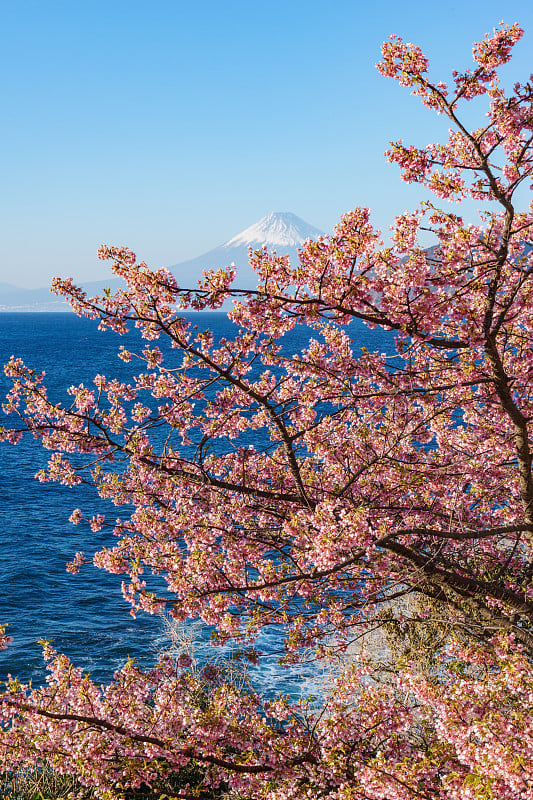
pixel 278 229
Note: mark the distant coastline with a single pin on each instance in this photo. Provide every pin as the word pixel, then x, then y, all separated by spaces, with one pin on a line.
pixel 281 232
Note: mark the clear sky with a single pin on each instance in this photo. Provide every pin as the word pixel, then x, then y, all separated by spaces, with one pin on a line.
pixel 169 126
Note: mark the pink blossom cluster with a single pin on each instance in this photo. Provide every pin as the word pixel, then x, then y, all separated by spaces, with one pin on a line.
pixel 458 737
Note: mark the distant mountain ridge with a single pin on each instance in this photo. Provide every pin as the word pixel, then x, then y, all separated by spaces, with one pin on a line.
pixel 281 231
pixel 13 298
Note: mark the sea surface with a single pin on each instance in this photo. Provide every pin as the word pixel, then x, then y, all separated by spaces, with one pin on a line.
pixel 84 615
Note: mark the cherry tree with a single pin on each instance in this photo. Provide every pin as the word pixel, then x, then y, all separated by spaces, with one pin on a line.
pixel 371 478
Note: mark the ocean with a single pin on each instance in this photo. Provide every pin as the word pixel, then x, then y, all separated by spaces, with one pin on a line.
pixel 84 615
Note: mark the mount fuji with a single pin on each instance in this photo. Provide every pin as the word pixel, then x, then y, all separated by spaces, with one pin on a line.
pixel 280 231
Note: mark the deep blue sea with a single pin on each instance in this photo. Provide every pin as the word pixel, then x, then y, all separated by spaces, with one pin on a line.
pixel 84 615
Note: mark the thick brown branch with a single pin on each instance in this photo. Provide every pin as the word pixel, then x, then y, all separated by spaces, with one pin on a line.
pixel 454 580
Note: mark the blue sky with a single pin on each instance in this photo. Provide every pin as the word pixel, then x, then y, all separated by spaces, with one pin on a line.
pixel 171 126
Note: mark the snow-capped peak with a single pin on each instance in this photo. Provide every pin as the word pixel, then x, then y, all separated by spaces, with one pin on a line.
pixel 277 229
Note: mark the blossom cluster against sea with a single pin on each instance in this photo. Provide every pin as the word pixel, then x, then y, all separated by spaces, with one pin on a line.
pixel 84 615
